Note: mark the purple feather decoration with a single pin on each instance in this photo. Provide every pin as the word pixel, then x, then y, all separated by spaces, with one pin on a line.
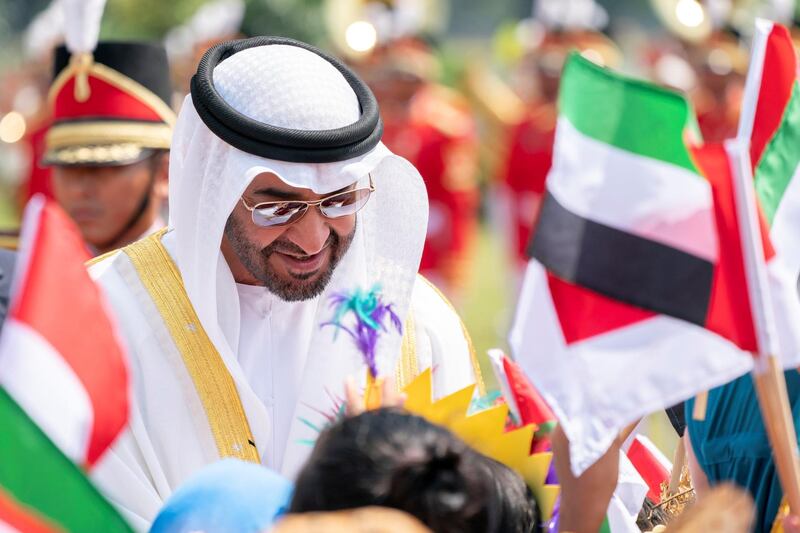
pixel 370 314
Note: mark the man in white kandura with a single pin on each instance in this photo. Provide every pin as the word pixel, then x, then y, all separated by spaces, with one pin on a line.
pixel 281 195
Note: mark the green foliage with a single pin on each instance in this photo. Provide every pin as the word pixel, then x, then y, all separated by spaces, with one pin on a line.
pixel 487 303
pixel 145 19
pixel 152 19
pixel 299 19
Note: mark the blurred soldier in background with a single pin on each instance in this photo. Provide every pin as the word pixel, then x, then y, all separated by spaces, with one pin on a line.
pixel 715 52
pixel 109 141
pixel 431 126
pixel 531 140
pixel 41 38
pixel 721 65
pixel 212 23
pixel 25 118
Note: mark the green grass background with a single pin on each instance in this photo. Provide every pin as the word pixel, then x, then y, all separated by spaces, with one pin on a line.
pixel 487 310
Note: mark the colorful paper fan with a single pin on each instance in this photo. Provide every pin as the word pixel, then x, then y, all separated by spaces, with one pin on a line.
pixel 485 432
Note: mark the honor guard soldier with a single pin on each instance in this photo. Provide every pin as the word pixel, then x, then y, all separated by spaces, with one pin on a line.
pixel 109 141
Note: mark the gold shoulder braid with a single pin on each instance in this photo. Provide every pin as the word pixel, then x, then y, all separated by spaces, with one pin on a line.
pixel 9 242
pixel 102 257
pixel 211 378
pixel 408 365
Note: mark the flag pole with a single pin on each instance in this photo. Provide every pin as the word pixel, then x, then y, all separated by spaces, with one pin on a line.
pixel 768 377
pixel 678 462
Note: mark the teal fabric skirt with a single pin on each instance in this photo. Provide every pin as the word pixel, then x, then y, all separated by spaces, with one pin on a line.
pixel 731 443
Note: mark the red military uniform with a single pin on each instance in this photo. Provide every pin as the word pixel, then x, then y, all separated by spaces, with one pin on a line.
pixel 530 142
pixel 721 64
pixel 529 159
pixel 438 137
pixel 718 118
pixel 38 179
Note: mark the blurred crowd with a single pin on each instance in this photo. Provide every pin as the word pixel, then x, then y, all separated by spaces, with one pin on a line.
pixel 479 125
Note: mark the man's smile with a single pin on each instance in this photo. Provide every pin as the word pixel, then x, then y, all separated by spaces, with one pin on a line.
pixel 303 264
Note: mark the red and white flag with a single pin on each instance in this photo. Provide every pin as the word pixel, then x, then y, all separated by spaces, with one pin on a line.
pixel 652 465
pixel 770 122
pixel 60 357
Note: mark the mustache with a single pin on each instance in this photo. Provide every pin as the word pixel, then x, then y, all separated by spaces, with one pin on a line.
pixel 284 246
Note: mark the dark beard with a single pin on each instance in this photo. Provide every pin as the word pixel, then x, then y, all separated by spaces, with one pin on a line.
pixel 291 290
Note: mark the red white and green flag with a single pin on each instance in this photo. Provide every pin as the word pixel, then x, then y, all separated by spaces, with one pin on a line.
pixel 641 470
pixel 770 121
pixel 528 407
pixel 524 402
pixel 650 463
pixel 64 394
pixel 635 295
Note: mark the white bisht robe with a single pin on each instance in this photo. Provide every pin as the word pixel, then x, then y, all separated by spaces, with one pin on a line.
pixel 286 369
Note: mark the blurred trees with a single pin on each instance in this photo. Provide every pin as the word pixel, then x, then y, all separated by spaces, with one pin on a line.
pixel 145 19
pixel 152 19
pixel 300 19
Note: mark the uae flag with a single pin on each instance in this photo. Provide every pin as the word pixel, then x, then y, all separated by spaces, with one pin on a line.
pixel 770 120
pixel 636 259
pixel 63 384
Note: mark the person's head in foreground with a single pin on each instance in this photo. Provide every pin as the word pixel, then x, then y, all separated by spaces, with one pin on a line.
pixel 361 520
pixel 389 458
pixel 227 496
pixel 108 145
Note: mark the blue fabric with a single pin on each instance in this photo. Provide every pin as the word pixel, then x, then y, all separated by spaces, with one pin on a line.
pixel 230 495
pixel 7 259
pixel 731 444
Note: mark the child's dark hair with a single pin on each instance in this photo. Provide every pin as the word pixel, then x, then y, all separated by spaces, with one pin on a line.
pixel 390 458
pixel 519 512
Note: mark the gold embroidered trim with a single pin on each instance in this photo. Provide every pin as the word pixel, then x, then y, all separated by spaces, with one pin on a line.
pixel 9 242
pixel 80 64
pixel 408 366
pixel 120 81
pixel 148 135
pixel 783 512
pixel 211 378
pixel 476 367
pixel 98 258
pixel 104 154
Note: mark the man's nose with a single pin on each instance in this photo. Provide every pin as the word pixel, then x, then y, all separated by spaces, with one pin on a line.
pixel 83 182
pixel 310 232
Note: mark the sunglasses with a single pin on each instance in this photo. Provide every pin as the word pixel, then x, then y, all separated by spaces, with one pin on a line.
pixel 274 214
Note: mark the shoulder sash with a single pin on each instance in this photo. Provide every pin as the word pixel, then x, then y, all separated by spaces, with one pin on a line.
pixel 210 376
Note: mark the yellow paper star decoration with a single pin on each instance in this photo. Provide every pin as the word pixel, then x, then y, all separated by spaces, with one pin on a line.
pixel 485 432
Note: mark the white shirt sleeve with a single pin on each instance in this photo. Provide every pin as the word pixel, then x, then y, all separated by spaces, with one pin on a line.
pixel 442 343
